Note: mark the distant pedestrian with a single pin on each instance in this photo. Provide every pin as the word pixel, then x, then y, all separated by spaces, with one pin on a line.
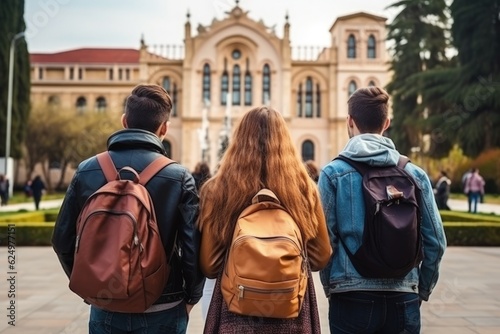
pixel 201 174
pixel 4 189
pixel 37 189
pixel 465 177
pixel 312 170
pixel 442 191
pixel 474 188
pixel 28 192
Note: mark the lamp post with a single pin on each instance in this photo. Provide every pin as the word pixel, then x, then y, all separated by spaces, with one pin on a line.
pixel 9 99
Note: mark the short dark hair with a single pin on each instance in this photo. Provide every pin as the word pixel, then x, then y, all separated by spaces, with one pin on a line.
pixel 147 107
pixel 369 108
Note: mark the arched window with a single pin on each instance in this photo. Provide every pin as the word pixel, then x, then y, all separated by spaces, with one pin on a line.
pixel 309 98
pixel 166 83
pixel 81 104
pixel 266 84
pixel 372 47
pixel 100 104
pixel 307 150
pixel 236 85
pixel 371 83
pixel 248 89
pixel 318 101
pixel 352 88
pixel 299 101
pixel 224 88
pixel 171 88
pixel 174 101
pixel 351 46
pixel 168 148
pixel 206 83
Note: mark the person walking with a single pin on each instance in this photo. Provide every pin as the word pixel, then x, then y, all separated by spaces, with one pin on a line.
pixel 312 170
pixel 201 174
pixel 4 189
pixel 442 191
pixel 474 188
pixel 37 190
pixel 174 197
pixel 358 304
pixel 261 155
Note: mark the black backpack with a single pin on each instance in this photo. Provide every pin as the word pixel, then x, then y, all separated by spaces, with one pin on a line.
pixel 392 242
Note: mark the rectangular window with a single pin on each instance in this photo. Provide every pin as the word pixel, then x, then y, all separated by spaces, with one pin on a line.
pixel 224 88
pixel 40 73
pixel 71 73
pixel 248 89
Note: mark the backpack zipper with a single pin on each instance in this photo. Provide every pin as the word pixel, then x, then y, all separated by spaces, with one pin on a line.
pixel 241 239
pixel 132 218
pixel 242 289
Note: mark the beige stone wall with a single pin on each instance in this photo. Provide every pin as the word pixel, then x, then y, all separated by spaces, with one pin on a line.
pixel 213 45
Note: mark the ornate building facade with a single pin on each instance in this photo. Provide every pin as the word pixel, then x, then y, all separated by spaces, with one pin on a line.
pixel 220 72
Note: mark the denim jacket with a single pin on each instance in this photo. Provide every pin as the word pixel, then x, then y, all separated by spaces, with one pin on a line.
pixel 340 187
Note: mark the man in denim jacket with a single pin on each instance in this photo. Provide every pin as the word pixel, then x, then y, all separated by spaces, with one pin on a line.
pixel 368 305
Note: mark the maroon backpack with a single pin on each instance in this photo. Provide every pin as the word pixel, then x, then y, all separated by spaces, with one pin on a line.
pixel 392 243
pixel 120 264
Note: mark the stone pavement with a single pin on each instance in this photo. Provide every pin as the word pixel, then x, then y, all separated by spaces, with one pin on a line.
pixel 465 301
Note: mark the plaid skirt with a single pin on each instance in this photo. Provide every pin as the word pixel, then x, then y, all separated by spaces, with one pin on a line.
pixel 221 321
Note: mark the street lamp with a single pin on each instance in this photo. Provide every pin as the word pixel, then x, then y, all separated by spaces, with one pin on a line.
pixel 9 99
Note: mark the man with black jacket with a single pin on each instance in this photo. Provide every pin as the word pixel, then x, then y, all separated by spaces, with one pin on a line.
pixel 175 200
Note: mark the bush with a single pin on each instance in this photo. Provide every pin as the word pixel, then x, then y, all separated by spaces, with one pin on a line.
pixel 27 234
pixel 457 216
pixel 34 216
pixel 475 234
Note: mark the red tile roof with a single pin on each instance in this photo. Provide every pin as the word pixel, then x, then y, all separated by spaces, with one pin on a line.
pixel 89 56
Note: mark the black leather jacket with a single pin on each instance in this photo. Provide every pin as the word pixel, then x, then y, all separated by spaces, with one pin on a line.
pixel 175 200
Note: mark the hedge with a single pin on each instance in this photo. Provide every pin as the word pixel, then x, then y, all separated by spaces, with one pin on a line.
pixel 457 234
pixel 26 233
pixel 472 234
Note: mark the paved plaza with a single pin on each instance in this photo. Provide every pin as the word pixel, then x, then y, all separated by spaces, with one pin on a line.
pixel 466 300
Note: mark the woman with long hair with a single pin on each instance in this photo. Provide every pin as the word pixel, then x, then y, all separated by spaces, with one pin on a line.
pixel 261 155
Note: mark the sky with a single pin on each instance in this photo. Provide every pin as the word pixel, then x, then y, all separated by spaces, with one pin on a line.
pixel 58 25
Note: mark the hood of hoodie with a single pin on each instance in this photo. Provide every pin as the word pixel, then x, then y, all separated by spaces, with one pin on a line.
pixel 372 149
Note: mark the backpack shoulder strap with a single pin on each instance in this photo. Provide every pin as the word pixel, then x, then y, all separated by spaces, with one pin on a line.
pixel 107 166
pixel 360 167
pixel 403 160
pixel 153 168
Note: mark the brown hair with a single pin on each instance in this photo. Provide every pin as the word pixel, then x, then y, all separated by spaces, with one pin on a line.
pixel 261 154
pixel 312 170
pixel 147 107
pixel 369 109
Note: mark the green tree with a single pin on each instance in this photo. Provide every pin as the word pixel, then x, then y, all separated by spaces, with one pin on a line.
pixel 472 87
pixel 418 43
pixel 11 23
pixel 60 137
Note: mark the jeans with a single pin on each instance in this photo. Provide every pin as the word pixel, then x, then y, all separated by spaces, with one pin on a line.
pixel 374 312
pixel 473 197
pixel 173 321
